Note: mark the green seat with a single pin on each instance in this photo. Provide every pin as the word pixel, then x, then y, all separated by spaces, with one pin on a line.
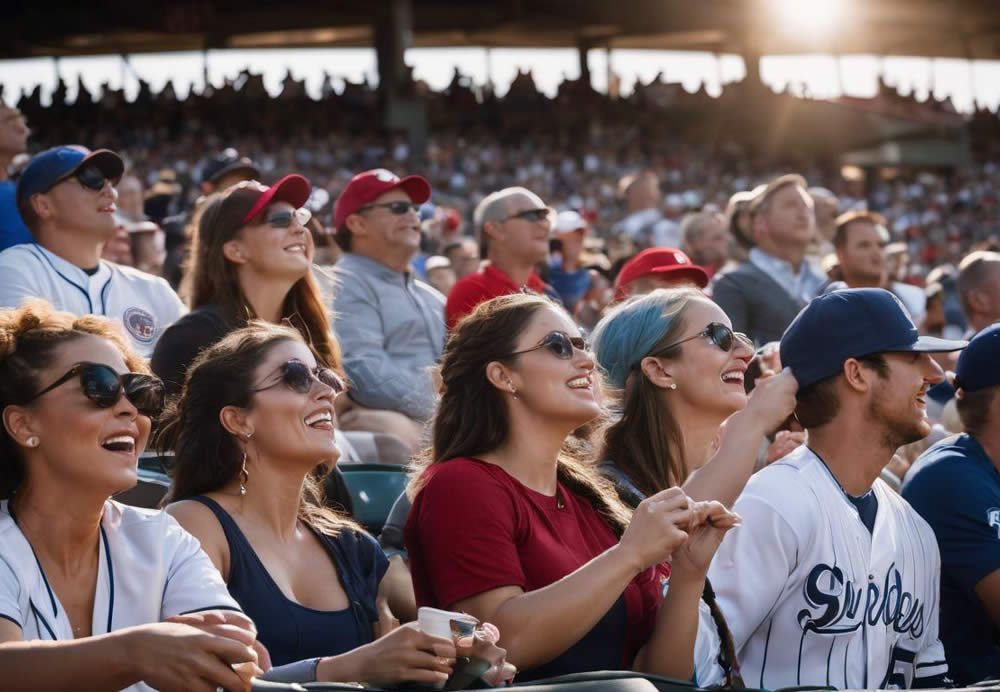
pixel 374 489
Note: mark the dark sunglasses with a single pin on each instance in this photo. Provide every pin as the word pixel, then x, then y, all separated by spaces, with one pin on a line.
pixel 90 176
pixel 397 208
pixel 719 334
pixel 560 344
pixel 531 215
pixel 284 219
pixel 297 376
pixel 105 387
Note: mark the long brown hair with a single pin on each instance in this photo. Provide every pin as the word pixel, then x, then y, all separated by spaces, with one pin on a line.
pixel 213 278
pixel 30 338
pixel 646 442
pixel 472 417
pixel 207 456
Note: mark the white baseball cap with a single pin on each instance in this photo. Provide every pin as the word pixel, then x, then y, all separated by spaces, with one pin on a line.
pixel 569 221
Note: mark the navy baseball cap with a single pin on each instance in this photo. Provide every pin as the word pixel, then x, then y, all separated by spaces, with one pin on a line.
pixel 55 165
pixel 851 323
pixel 979 365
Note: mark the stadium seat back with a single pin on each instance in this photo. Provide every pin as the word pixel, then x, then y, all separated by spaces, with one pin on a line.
pixel 374 489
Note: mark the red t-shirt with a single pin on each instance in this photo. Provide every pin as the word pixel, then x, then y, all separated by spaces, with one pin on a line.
pixel 473 528
pixel 477 288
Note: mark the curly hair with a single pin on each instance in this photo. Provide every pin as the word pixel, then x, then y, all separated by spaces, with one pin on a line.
pixel 30 339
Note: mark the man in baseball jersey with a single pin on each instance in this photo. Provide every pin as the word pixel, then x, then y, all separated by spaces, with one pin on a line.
pixel 833 578
pixel 957 490
pixel 66 197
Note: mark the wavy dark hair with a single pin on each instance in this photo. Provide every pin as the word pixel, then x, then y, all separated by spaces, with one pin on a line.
pixel 212 278
pixel 206 455
pixel 30 339
pixel 472 417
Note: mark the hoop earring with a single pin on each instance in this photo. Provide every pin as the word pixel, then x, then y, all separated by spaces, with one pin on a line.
pixel 244 476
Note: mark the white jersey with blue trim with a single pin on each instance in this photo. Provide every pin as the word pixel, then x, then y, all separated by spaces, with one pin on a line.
pixel 149 569
pixel 813 598
pixel 144 305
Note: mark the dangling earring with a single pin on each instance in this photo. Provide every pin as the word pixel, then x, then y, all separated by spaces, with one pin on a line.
pixel 512 390
pixel 244 476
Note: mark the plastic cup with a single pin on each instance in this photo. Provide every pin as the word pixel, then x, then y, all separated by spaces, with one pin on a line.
pixel 445 624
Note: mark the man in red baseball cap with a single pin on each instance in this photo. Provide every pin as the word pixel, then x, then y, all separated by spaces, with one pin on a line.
pixel 390 325
pixel 657 267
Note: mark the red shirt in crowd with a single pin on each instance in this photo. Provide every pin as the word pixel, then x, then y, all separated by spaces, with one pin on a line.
pixel 473 528
pixel 489 282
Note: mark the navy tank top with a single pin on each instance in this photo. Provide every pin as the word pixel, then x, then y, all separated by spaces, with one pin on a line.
pixel 290 631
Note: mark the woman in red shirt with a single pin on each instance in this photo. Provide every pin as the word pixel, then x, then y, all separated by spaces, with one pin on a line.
pixel 509 525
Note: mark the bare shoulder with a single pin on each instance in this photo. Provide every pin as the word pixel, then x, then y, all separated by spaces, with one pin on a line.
pixel 198 520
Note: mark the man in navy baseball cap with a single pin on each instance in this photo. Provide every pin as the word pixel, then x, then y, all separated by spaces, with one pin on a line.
pixel 955 487
pixel 851 324
pixel 52 166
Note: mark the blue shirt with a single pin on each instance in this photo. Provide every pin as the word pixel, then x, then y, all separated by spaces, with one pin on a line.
pixel 571 286
pixel 957 491
pixel 12 228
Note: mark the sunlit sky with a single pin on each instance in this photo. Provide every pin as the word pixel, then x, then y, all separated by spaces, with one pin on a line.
pixel 818 76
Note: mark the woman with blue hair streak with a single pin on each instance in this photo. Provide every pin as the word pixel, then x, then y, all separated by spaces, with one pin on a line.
pixel 676 367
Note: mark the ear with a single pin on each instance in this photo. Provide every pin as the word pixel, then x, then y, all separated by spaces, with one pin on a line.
pixel 500 376
pixel 233 251
pixel 17 423
pixel 977 301
pixel 857 376
pixel 492 230
pixel 356 224
pixel 43 207
pixel 654 371
pixel 236 421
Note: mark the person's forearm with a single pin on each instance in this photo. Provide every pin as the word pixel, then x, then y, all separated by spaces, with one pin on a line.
pixel 670 651
pixel 539 625
pixel 345 667
pixel 90 663
pixel 725 475
pixel 389 387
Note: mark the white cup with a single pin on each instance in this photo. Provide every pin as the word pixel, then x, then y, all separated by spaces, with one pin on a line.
pixel 438 622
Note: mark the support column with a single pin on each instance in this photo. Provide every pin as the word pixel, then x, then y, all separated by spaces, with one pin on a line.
pixel 583 47
pixel 400 109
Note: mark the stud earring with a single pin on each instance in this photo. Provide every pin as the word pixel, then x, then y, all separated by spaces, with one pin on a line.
pixel 673 385
pixel 33 441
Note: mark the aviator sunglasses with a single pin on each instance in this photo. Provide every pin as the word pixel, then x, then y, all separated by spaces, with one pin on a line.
pixel 398 208
pixel 284 219
pixel 105 387
pixel 298 377
pixel 531 214
pixel 560 344
pixel 717 333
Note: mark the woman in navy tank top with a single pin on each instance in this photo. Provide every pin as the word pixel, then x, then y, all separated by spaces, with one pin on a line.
pixel 253 436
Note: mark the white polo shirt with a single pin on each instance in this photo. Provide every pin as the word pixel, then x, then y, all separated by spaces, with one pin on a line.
pixel 149 569
pixel 143 304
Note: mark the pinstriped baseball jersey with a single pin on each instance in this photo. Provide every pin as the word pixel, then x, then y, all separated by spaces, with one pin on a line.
pixel 813 598
pixel 142 304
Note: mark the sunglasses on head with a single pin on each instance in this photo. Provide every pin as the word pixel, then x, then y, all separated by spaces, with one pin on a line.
pixel 105 387
pixel 719 334
pixel 298 377
pixel 284 219
pixel 531 214
pixel 560 344
pixel 398 208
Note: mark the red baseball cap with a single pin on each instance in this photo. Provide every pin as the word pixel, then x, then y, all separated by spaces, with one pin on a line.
pixel 293 189
pixel 659 260
pixel 366 187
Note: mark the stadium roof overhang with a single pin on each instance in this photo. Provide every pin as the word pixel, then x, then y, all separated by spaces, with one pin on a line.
pixel 940 28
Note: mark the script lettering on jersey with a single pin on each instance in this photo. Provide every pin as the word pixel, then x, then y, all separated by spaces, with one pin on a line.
pixel 993 518
pixel 834 603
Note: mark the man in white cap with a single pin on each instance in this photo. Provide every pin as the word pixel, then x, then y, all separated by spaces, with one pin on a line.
pixel 566 273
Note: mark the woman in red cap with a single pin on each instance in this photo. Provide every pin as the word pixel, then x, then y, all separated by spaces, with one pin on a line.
pixel 251 258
